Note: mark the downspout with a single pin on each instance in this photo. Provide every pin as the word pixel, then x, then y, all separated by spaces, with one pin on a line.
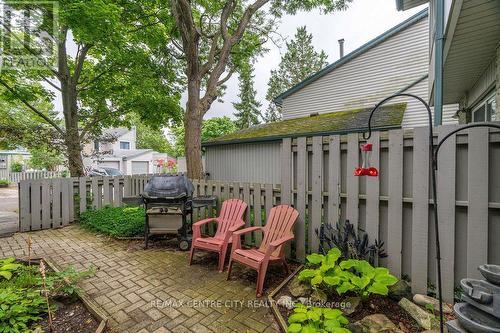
pixel 438 63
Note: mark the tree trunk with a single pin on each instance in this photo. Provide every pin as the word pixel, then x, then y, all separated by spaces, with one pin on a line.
pixel 192 133
pixel 192 137
pixel 72 136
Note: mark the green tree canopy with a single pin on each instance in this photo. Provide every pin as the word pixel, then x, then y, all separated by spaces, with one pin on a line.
pixel 116 70
pixel 211 128
pixel 45 158
pixel 299 62
pixel 248 108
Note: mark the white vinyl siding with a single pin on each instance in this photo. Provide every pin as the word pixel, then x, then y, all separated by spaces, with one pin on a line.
pixel 365 80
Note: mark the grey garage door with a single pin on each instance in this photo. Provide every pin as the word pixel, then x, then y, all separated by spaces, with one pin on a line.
pixel 110 164
pixel 140 167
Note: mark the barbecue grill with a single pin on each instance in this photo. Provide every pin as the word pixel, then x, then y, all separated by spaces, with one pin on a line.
pixel 168 201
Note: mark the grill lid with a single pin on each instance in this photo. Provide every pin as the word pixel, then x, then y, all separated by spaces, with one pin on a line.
pixel 169 187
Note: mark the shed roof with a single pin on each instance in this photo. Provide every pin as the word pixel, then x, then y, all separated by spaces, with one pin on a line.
pixel 387 117
pixel 354 54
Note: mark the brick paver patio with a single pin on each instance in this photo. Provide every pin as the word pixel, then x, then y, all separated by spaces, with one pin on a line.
pixel 151 290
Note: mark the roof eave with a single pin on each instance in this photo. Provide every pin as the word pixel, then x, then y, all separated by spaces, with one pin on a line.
pixel 280 137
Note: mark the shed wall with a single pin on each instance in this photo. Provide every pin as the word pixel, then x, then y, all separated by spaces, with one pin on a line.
pixel 246 162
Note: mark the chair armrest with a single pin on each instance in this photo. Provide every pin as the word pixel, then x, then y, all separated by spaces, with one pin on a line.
pixel 237 236
pixel 205 221
pixel 275 244
pixel 197 226
pixel 246 230
pixel 280 241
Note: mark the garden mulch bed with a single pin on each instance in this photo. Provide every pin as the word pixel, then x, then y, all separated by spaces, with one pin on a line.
pixel 375 304
pixel 70 316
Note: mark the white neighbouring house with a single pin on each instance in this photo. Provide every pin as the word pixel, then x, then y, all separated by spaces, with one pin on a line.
pixel 118 150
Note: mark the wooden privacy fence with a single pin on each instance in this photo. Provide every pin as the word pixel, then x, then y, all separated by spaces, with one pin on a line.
pixel 16 177
pixel 317 178
pixel 52 203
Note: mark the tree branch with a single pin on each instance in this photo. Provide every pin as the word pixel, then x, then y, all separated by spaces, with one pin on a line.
pixel 79 60
pixel 31 107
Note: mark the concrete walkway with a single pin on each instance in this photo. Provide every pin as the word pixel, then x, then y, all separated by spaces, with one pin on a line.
pixel 152 290
pixel 8 211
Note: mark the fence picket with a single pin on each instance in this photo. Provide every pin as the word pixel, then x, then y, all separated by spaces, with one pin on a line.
pixel 286 171
pixel 105 191
pixel 35 206
pixel 24 205
pixel 420 212
pixel 83 194
pixel 334 180
pixel 46 204
pixel 96 195
pixel 446 210
pixel 317 190
pixel 257 210
pixel 373 193
pixel 269 199
pixel 352 202
pixel 248 222
pixel 66 198
pixel 477 218
pixel 56 203
pixel 395 204
pixel 300 225
pixel 117 193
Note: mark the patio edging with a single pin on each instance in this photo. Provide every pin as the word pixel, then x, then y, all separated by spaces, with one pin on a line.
pixel 274 307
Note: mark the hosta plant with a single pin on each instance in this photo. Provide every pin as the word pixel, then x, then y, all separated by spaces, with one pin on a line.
pixel 7 267
pixel 326 273
pixel 306 319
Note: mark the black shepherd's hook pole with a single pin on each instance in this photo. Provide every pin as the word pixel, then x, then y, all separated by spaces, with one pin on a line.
pixel 433 155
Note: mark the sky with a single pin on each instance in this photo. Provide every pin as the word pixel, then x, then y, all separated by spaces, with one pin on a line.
pixel 361 22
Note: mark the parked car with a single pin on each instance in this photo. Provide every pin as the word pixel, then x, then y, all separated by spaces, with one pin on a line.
pixel 104 172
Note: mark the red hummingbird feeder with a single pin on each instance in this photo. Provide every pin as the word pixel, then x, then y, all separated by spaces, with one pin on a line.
pixel 366 169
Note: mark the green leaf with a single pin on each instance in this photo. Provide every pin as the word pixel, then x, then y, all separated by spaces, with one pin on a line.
pixel 309 328
pixel 307 274
pixel 6 274
pixel 360 282
pixel 315 258
pixel 347 264
pixel 345 287
pixel 331 324
pixel 313 315
pixel 333 255
pixel 331 313
pixel 294 328
pixel 316 280
pixel 332 280
pixel 388 280
pixel 378 288
pixel 10 267
pixel 297 318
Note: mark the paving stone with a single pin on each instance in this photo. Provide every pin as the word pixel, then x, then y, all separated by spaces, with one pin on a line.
pixel 133 287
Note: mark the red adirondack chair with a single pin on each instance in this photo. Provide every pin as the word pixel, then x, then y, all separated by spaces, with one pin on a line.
pixel 230 220
pixel 277 232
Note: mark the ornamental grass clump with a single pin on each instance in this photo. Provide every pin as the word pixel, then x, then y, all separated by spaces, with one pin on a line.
pixel 359 277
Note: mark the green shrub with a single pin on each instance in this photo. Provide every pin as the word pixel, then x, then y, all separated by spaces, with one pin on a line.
pixel 16 167
pixel 306 319
pixel 356 276
pixel 4 182
pixel 115 221
pixel 19 308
